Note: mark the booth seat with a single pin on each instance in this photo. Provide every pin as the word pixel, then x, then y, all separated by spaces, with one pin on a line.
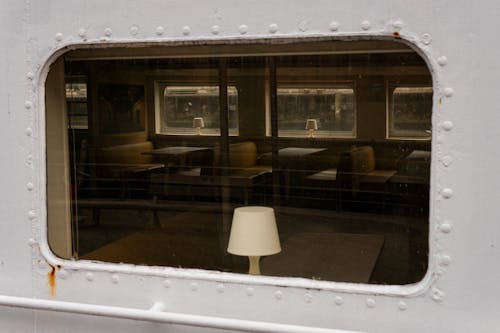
pixel 121 169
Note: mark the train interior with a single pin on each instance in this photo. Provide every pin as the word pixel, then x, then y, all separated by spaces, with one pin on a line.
pixel 151 149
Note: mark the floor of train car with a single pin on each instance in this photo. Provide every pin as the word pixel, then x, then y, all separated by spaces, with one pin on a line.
pixel 194 237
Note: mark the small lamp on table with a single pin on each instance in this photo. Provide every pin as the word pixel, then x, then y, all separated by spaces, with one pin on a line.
pixel 311 125
pixel 254 234
pixel 198 123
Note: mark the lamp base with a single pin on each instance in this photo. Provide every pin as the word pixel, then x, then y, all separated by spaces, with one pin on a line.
pixel 254 268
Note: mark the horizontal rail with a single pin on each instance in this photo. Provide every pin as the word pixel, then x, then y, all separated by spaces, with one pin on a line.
pixel 156 314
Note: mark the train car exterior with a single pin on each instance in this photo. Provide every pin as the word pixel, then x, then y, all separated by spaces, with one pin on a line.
pixel 160 60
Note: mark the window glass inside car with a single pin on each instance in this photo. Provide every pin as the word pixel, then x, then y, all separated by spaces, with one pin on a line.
pixel 297 159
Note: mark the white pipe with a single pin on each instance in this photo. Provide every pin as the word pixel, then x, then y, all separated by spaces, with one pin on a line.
pixel 155 315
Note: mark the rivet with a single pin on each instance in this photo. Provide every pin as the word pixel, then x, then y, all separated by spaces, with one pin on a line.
pixel 303 26
pixel 278 295
pixel 448 92
pixel 160 30
pixel 402 306
pixel 220 288
pixel 115 278
pixel 31 242
pixel 29 131
pixel 307 298
pixel 194 286
pixel 426 38
pixel 30 186
pixel 29 159
pixel 141 280
pixel 42 264
pixel 108 32
pixel 273 28
pixel 243 29
pixel 447 160
pixel 215 30
pixel 444 260
pixel 31 215
pixel 365 25
pixel 334 26
pixel 250 291
pixel 447 193
pixel 442 61
pixel 186 30
pixel 82 33
pixel 447 125
pixel 30 76
pixel 89 277
pixel 445 228
pixel 370 302
pixel 63 274
pixel 59 37
pixel 397 25
pixel 437 295
pixel 167 284
pixel 134 30
pixel 339 300
pixel 28 105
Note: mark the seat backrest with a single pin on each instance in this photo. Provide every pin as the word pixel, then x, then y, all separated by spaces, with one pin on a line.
pixel 354 163
pixel 362 160
pixel 241 155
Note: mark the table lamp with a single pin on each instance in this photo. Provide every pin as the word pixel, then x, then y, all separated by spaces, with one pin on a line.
pixel 311 125
pixel 254 234
pixel 198 123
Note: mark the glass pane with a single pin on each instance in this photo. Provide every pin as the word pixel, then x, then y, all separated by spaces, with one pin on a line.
pixel 411 112
pixel 303 134
pixel 195 110
pixel 321 112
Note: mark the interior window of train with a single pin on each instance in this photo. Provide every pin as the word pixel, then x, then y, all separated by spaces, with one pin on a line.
pixel 193 109
pixel 312 150
pixel 325 112
pixel 76 102
pixel 409 111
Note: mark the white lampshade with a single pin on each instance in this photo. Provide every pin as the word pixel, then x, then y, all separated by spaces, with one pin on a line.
pixel 311 124
pixel 198 122
pixel 254 232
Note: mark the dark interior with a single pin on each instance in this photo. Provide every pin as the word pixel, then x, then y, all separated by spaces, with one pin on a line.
pixel 335 136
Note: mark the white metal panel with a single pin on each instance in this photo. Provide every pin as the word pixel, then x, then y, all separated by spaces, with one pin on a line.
pixel 457 38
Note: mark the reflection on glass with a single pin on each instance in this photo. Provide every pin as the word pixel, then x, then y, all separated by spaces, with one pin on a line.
pixel 333 110
pixel 76 101
pixel 181 104
pixel 411 109
pixel 350 204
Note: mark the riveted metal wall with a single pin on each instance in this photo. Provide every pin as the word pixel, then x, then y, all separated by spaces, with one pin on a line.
pixel 461 289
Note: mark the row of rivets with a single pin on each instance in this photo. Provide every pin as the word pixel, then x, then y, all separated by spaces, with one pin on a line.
pixel 243 29
pixel 278 295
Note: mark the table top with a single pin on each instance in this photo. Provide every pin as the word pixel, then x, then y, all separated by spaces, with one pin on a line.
pixel 298 152
pixel 175 150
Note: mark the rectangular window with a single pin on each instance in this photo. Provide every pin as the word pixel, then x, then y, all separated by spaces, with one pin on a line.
pixel 409 112
pixel 323 112
pixel 191 110
pixel 175 145
pixel 76 101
